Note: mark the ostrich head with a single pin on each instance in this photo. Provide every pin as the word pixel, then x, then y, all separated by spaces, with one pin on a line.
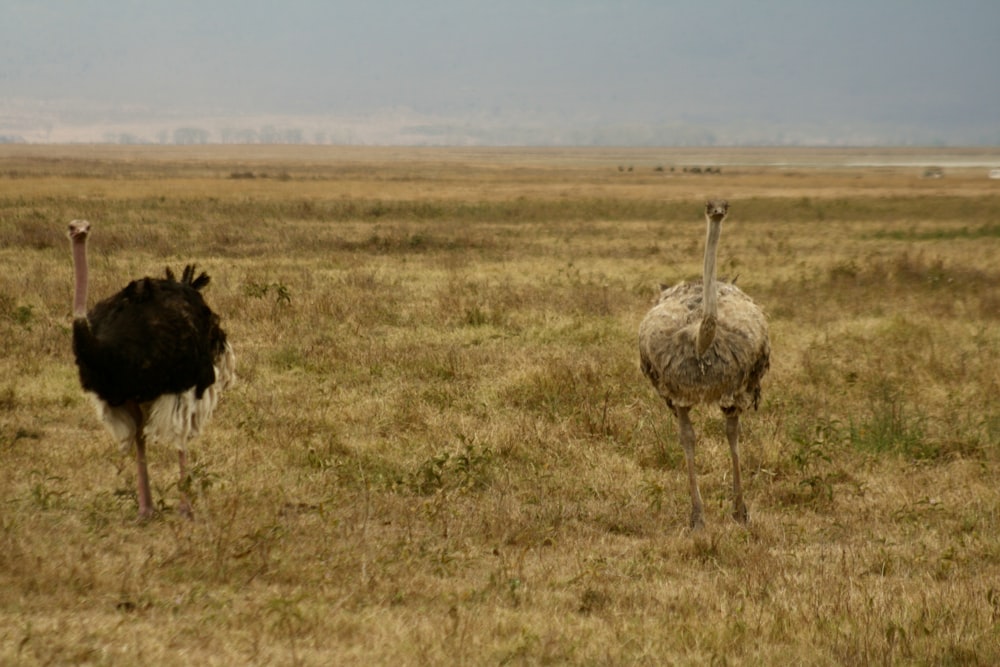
pixel 716 209
pixel 79 230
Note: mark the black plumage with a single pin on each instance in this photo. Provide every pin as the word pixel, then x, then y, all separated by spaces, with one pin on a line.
pixel 156 336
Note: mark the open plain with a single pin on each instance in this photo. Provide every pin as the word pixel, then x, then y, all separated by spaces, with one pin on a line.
pixel 441 449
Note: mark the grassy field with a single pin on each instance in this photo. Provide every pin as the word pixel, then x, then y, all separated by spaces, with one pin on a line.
pixel 441 449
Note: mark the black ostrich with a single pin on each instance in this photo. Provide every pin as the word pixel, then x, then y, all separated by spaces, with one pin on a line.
pixel 153 359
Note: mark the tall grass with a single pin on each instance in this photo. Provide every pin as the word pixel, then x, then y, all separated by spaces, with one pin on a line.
pixel 441 449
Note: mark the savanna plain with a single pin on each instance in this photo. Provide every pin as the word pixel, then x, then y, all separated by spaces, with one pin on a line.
pixel 441 449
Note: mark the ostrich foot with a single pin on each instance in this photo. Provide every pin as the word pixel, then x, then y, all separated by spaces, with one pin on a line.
pixel 697 522
pixel 741 514
pixel 145 499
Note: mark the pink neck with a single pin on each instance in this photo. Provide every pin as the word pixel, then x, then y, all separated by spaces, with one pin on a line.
pixel 80 276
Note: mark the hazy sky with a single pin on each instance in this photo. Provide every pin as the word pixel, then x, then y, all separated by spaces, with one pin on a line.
pixel 923 64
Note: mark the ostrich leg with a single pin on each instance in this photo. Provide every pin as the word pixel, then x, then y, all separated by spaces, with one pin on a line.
pixel 733 434
pixel 142 478
pixel 687 439
pixel 142 473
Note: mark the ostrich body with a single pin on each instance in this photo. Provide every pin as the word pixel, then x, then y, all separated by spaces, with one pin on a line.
pixel 706 342
pixel 152 358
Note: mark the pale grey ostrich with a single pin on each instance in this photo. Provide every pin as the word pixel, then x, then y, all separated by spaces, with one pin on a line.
pixel 707 342
pixel 153 359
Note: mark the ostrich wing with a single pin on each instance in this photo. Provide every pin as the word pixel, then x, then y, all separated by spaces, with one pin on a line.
pixel 154 337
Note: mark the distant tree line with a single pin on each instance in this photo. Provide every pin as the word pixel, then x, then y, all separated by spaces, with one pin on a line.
pixel 193 136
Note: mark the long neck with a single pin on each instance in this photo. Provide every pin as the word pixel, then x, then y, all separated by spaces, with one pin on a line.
pixel 80 278
pixel 710 299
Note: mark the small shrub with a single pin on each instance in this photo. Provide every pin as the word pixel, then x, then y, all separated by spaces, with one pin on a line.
pixel 890 427
pixel 23 315
pixel 466 469
pixel 255 290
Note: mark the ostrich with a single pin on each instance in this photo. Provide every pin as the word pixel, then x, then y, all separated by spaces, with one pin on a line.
pixel 706 343
pixel 152 358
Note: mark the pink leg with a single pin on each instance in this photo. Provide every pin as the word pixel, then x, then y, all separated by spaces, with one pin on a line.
pixel 142 477
pixel 146 510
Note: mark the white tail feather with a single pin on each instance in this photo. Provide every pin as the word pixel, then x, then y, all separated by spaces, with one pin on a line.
pixel 175 418
pixel 171 418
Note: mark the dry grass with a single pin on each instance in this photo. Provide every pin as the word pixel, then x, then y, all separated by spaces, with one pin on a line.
pixel 442 450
